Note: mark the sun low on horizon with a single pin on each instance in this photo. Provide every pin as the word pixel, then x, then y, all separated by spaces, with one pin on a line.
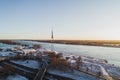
pixel 70 19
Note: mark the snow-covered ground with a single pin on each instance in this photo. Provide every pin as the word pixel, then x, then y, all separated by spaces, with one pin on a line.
pixel 74 75
pixel 27 51
pixel 2 53
pixel 29 63
pixel 97 66
pixel 14 77
pixel 110 68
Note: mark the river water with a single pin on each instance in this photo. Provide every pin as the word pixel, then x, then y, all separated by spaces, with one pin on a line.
pixel 4 46
pixel 111 54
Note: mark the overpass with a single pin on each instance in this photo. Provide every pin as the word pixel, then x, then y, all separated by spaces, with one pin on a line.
pixel 30 73
pixel 40 74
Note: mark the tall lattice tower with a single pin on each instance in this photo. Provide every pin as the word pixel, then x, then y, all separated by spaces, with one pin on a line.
pixel 52 39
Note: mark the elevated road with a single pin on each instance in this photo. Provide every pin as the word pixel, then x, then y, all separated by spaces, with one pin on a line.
pixel 20 69
pixel 41 72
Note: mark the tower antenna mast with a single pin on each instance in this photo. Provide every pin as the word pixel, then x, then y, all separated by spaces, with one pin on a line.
pixel 52 39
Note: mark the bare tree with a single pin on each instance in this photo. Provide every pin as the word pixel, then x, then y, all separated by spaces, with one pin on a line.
pixel 79 62
pixel 36 46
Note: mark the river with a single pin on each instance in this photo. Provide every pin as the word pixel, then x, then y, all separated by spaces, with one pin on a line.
pixel 4 46
pixel 111 54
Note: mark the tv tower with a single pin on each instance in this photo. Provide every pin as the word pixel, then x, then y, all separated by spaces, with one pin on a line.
pixel 52 39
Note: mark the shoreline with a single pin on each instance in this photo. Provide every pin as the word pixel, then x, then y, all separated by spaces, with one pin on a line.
pixel 102 45
pixel 99 43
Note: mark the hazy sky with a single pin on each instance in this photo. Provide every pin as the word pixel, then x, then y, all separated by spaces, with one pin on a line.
pixel 70 19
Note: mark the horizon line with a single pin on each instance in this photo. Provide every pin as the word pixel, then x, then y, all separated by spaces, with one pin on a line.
pixel 68 39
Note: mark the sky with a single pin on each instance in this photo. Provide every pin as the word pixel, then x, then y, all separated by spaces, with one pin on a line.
pixel 70 19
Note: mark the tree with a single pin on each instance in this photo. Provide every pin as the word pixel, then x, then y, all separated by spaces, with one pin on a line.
pixel 63 64
pixel 36 46
pixel 79 62
pixel 54 62
pixel 53 59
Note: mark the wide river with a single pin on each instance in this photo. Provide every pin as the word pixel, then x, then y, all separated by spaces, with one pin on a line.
pixel 111 54
pixel 4 46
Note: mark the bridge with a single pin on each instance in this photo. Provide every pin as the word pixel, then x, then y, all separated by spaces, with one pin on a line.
pixel 40 74
pixel 30 73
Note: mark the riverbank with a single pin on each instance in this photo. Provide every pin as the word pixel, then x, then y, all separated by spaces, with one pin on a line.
pixel 102 43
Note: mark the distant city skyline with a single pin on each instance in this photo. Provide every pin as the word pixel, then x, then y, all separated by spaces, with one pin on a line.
pixel 70 19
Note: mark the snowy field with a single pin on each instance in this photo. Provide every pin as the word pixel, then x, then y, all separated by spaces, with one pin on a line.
pixel 14 77
pixel 3 54
pixel 76 75
pixel 29 63
pixel 98 65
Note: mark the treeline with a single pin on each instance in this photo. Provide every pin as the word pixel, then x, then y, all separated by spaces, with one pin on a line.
pixel 11 42
pixel 109 43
